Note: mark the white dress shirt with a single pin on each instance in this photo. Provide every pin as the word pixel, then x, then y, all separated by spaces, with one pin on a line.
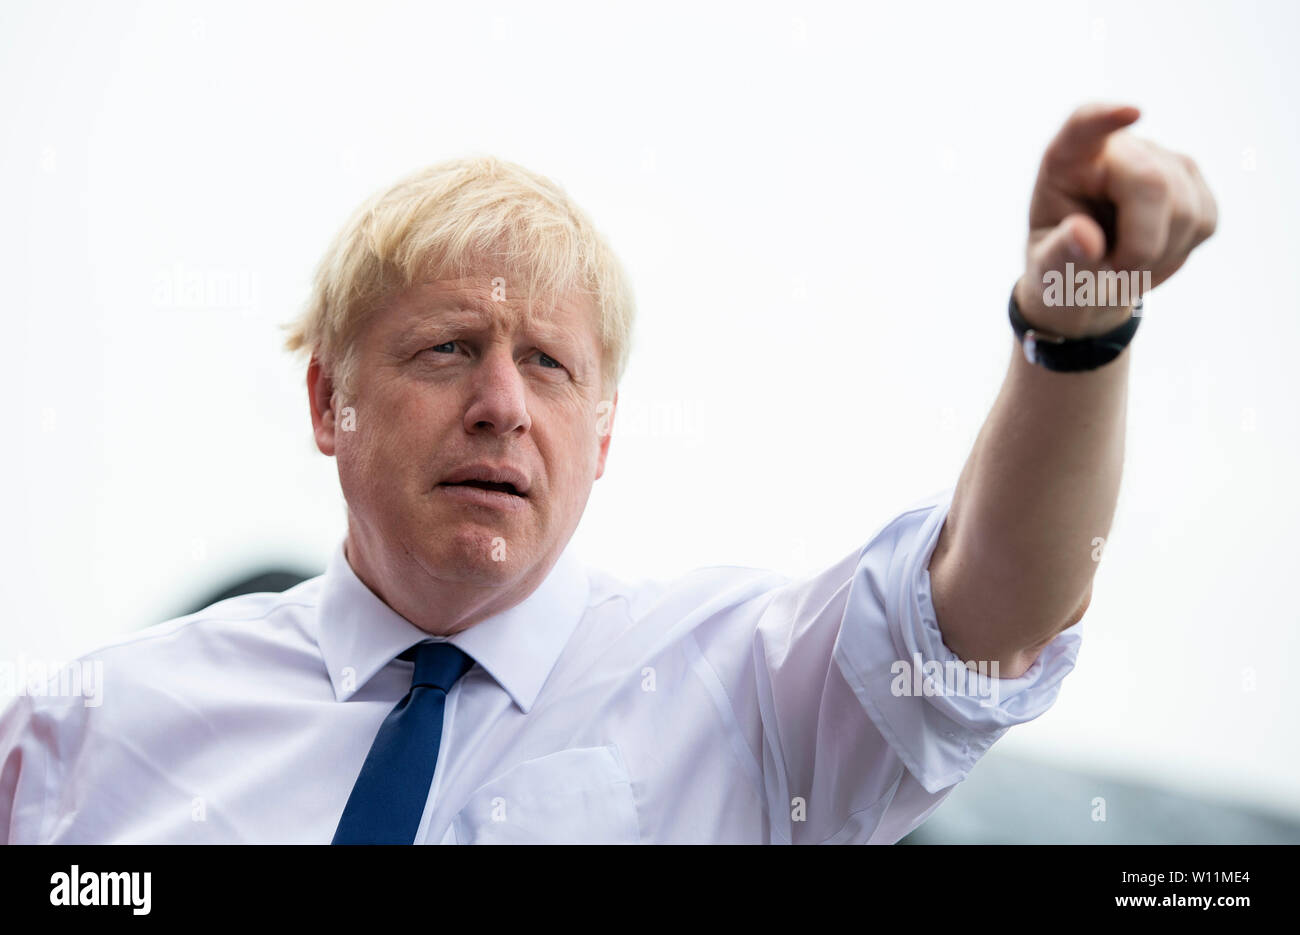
pixel 730 705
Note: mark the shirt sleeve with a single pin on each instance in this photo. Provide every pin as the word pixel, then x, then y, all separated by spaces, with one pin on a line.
pixel 868 720
pixel 22 773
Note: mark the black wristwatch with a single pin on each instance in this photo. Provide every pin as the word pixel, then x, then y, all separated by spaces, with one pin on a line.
pixel 1054 352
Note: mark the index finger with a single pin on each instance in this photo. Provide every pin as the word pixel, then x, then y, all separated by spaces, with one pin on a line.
pixel 1084 134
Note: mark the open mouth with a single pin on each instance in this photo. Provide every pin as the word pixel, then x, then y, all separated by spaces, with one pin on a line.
pixel 498 486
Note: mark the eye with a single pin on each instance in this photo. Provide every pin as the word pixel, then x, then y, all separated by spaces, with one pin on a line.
pixel 547 362
pixel 449 345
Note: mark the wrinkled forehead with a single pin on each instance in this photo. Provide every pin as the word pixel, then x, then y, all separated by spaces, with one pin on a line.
pixel 493 296
pixel 492 303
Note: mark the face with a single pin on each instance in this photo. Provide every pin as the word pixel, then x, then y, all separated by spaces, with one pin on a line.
pixel 474 440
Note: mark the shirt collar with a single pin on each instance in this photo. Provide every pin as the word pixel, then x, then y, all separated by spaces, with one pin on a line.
pixel 359 634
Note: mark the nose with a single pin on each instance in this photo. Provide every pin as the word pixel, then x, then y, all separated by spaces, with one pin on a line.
pixel 498 403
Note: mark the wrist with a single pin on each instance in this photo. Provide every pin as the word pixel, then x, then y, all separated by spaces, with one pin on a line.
pixel 1079 348
pixel 1067 321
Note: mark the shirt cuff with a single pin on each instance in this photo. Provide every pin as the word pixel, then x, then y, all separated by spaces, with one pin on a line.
pixel 937 715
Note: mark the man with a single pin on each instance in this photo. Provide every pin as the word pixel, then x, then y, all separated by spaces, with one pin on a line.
pixel 458 676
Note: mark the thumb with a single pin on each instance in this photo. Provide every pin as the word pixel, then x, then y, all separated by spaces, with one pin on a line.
pixel 1078 239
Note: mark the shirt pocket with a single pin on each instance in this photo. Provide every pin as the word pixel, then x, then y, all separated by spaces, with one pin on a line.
pixel 577 796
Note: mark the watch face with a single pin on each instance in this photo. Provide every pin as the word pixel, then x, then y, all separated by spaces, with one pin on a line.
pixel 1031 348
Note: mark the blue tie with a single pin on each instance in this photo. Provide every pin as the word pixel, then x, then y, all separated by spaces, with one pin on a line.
pixel 388 799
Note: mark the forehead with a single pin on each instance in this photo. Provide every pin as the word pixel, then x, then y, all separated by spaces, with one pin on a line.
pixel 480 302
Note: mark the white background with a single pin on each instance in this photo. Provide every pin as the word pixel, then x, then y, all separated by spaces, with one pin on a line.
pixel 823 210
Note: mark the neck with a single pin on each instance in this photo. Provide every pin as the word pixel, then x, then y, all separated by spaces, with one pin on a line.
pixel 441 602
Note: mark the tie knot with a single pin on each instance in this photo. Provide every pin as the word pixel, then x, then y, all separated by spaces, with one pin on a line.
pixel 437 665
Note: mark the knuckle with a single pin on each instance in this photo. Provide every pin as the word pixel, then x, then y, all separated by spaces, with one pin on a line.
pixel 1139 255
pixel 1186 213
pixel 1151 181
pixel 1054 157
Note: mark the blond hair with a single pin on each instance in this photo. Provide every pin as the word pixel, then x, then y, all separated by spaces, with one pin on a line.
pixel 444 221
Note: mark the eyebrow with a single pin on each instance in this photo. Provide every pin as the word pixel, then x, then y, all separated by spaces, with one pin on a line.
pixel 441 316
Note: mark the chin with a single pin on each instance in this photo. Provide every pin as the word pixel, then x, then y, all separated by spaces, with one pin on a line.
pixel 475 553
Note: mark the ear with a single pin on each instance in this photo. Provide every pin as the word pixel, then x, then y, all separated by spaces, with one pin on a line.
pixel 320 393
pixel 605 422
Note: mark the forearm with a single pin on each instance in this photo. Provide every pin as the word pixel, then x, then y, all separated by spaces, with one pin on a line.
pixel 1014 562
pixel 1040 486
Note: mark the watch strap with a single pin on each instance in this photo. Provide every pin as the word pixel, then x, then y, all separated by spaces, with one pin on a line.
pixel 1061 354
